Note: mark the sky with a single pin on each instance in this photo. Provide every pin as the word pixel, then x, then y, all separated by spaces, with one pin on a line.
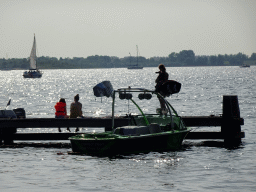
pixel 82 28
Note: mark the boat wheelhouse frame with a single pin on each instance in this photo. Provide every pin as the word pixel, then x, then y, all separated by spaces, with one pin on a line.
pixel 125 93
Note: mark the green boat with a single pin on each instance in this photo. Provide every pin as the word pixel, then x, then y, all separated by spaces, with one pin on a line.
pixel 162 131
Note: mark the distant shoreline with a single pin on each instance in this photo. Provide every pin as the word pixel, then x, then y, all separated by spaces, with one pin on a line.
pixel 123 67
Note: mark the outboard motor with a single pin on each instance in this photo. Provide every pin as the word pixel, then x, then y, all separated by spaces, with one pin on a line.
pixel 20 113
pixel 7 114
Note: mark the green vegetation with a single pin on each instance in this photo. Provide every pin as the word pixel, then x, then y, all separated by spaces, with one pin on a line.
pixel 183 58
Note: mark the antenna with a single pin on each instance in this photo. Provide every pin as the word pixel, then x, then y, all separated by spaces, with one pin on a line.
pixel 137 54
pixel 130 57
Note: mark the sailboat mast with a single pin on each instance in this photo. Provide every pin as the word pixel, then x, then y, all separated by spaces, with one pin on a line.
pixel 137 54
pixel 130 58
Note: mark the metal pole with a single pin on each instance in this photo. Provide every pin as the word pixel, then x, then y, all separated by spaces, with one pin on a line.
pixel 113 109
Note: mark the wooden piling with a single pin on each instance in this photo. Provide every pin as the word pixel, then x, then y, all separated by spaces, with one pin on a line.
pixel 230 128
pixel 7 135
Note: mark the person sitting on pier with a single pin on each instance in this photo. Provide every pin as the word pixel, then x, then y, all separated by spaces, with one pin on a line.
pixel 61 111
pixel 76 109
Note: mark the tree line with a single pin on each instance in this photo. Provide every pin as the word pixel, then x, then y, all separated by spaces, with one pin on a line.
pixel 181 59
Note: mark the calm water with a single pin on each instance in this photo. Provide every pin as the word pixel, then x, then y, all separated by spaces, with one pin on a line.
pixel 195 168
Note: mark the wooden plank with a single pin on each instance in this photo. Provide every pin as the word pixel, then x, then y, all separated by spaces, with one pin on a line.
pixel 43 136
pixel 104 122
pixel 207 121
pixel 52 122
pixel 210 135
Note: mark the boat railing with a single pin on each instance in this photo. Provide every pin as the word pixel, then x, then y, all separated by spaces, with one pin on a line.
pixel 125 93
pixel 145 118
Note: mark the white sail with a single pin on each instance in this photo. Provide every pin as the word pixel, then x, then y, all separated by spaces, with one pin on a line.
pixel 33 55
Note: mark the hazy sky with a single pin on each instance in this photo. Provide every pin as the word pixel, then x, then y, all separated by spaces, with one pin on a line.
pixel 81 28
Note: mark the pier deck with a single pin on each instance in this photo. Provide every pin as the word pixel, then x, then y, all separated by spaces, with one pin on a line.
pixel 199 121
pixel 229 122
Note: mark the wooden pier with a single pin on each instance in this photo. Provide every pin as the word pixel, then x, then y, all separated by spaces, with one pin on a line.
pixel 229 123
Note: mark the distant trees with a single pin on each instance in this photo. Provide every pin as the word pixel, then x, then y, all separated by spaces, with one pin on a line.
pixel 183 58
pixel 220 60
pixel 187 57
pixel 237 59
pixel 216 60
pixel 253 56
pixel 202 61
pixel 173 57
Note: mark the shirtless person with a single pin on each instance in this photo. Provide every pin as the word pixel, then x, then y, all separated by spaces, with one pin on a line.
pixel 76 109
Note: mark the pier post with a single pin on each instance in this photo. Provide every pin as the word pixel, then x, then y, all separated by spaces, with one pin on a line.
pixel 7 134
pixel 1 136
pixel 230 128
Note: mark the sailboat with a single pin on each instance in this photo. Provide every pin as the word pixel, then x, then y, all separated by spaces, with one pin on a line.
pixel 136 66
pixel 33 70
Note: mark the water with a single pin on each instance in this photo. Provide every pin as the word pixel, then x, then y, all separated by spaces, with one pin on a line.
pixel 196 167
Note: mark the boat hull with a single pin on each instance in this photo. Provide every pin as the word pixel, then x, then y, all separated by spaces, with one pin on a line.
pixel 32 75
pixel 135 67
pixel 245 66
pixel 164 141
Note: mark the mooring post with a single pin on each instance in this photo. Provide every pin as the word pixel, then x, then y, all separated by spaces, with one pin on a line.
pixel 230 128
pixel 6 135
pixel 1 136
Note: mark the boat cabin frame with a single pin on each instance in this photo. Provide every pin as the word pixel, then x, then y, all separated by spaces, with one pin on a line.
pixel 126 93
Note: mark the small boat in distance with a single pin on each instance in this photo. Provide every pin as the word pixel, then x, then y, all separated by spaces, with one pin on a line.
pixel 33 70
pixel 244 65
pixel 136 66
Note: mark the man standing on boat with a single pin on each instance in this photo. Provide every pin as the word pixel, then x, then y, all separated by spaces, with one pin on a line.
pixel 160 80
pixel 76 109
